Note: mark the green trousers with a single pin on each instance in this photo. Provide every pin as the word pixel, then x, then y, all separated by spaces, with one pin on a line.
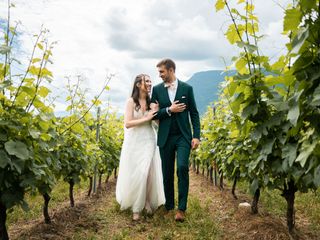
pixel 176 147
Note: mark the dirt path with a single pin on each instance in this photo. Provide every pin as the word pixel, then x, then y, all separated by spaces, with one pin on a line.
pixel 212 214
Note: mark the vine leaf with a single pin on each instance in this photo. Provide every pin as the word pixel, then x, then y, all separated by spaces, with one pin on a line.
pixel 220 4
pixel 299 40
pixel 291 19
pixel 4 159
pixel 17 148
pixel 4 49
pixel 289 152
pixel 254 186
pixel 294 111
pixel 316 97
pixel 232 33
pixel 307 149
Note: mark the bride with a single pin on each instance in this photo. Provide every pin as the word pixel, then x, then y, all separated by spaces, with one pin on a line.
pixel 140 184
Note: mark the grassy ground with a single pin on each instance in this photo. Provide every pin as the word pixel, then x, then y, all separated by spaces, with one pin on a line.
pixel 307 206
pixel 35 201
pixel 212 214
pixel 99 217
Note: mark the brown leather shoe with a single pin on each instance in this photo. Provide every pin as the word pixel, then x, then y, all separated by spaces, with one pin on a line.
pixel 179 216
pixel 165 211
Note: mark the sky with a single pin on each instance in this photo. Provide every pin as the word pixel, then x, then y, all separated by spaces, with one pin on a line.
pixel 124 38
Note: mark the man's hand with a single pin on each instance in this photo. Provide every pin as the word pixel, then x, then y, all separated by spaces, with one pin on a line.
pixel 177 107
pixel 195 143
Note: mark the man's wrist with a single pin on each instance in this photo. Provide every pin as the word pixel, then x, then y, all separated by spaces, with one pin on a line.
pixel 169 111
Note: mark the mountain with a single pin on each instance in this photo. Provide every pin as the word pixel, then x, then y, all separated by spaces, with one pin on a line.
pixel 206 87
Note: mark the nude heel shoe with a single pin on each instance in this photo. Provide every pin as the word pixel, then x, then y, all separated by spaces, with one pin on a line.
pixel 136 217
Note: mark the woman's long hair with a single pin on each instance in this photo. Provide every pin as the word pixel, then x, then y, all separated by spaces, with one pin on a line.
pixel 135 91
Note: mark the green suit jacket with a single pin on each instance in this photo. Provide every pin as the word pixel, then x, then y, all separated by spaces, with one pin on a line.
pixel 184 94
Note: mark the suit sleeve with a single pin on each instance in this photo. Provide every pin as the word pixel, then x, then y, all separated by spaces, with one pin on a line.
pixel 194 115
pixel 162 113
pixel 154 96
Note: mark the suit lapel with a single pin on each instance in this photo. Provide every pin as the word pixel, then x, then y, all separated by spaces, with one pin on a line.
pixel 165 90
pixel 179 90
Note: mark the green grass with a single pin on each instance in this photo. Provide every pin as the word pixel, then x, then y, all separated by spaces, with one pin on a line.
pixel 117 224
pixel 198 224
pixel 106 221
pixel 200 221
pixel 307 205
pixel 100 217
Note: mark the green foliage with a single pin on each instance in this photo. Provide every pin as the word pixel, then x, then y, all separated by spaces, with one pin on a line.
pixel 80 151
pixel 36 148
pixel 266 125
pixel 110 142
pixel 27 140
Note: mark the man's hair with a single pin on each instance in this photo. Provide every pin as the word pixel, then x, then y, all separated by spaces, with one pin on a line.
pixel 168 63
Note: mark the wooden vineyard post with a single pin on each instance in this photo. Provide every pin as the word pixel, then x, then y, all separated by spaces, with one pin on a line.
pixel 95 165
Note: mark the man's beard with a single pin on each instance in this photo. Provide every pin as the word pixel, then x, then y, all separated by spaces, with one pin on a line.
pixel 166 79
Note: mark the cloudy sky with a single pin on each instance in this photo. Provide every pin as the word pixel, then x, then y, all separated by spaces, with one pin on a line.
pixel 125 38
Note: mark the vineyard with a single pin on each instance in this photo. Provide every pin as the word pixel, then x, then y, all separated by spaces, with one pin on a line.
pixel 265 128
pixel 262 135
pixel 38 148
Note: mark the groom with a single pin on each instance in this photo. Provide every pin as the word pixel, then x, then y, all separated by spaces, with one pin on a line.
pixel 175 139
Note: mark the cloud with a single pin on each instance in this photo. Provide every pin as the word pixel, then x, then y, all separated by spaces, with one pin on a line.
pixel 96 38
pixel 156 35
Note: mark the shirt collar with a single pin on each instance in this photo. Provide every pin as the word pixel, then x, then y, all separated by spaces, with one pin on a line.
pixel 174 84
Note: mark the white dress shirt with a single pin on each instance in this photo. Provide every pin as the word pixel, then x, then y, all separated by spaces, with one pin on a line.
pixel 172 89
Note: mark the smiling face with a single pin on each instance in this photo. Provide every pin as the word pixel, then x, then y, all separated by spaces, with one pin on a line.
pixel 145 84
pixel 148 83
pixel 167 75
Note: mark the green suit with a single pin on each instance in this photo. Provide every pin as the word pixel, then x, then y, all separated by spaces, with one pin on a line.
pixel 174 140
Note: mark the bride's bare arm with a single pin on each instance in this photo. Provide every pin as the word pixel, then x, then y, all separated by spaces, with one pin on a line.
pixel 129 122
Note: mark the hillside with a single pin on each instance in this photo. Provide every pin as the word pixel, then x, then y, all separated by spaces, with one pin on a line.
pixel 206 87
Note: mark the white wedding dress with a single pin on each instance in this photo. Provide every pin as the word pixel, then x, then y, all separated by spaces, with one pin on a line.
pixel 140 173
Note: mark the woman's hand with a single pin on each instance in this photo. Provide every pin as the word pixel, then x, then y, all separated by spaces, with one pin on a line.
pixel 150 115
pixel 154 106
